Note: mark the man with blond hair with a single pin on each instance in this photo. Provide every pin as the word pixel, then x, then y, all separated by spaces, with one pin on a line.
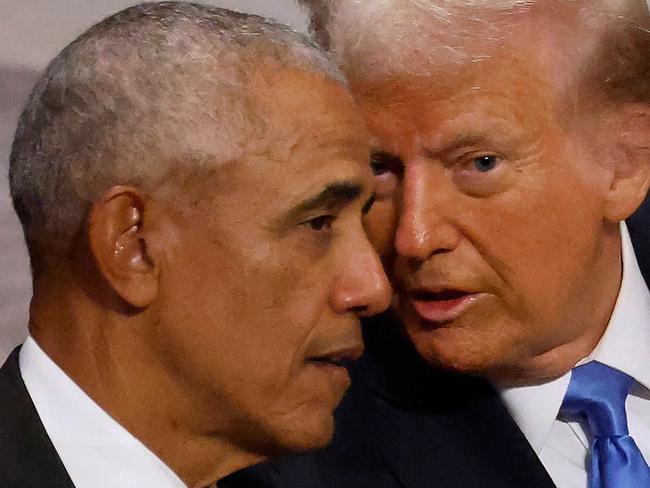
pixel 191 182
pixel 518 134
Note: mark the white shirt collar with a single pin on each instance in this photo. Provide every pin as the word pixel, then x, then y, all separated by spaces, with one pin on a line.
pixel 96 451
pixel 625 345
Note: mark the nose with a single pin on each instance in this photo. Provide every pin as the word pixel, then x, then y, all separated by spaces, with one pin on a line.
pixel 423 228
pixel 363 287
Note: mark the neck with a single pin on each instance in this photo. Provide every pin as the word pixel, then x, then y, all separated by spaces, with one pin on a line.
pixel 106 354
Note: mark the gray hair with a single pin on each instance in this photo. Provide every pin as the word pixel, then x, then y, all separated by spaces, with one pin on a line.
pixel 375 39
pixel 379 37
pixel 122 103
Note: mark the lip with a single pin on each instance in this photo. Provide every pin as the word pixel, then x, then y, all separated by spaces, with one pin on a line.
pixel 340 357
pixel 333 364
pixel 337 377
pixel 442 310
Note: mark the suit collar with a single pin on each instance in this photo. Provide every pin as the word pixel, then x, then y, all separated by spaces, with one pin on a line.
pixel 95 449
pixel 27 456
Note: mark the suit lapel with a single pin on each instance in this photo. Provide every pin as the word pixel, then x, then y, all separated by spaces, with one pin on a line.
pixel 27 456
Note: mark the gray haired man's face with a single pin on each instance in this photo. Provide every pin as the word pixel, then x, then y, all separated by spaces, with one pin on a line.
pixel 502 235
pixel 271 269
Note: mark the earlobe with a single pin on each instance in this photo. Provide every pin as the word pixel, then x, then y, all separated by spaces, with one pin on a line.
pixel 631 177
pixel 118 241
pixel 626 194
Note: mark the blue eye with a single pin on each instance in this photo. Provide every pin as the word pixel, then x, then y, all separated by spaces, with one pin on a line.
pixel 486 163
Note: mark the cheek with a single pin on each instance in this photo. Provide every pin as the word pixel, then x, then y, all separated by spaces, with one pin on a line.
pixel 272 308
pixel 245 332
pixel 254 298
pixel 538 240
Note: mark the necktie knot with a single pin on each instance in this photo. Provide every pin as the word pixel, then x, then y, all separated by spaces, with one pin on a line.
pixel 598 393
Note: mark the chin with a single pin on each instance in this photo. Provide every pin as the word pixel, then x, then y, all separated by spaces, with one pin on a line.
pixel 314 433
pixel 454 349
pixel 300 434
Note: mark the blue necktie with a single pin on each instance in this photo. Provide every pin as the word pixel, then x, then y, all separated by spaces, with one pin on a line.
pixel 597 396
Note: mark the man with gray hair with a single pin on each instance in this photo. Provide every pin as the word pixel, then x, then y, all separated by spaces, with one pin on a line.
pixel 191 183
pixel 518 135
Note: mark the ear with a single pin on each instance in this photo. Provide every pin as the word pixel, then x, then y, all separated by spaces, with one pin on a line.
pixel 118 235
pixel 631 176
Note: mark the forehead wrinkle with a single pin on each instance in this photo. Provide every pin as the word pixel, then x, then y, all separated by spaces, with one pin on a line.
pixel 442 124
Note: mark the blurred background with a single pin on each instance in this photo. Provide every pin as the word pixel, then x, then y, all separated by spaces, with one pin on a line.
pixel 31 33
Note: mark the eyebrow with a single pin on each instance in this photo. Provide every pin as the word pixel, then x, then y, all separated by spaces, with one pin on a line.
pixel 335 195
pixel 457 143
pixel 500 133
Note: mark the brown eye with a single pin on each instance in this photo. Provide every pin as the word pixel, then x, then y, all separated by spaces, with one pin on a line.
pixel 321 223
pixel 378 168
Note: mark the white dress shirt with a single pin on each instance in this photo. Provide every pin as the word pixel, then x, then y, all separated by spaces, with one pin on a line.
pixel 562 446
pixel 96 451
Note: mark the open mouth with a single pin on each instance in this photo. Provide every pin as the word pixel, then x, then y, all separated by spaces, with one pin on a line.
pixel 441 306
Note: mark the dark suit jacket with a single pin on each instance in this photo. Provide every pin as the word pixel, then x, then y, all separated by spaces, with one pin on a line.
pixel 404 424
pixel 27 457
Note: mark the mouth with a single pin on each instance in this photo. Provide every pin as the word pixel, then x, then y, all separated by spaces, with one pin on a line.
pixel 338 358
pixel 442 306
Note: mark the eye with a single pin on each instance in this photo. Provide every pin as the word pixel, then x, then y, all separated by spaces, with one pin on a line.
pixel 382 162
pixel 486 163
pixel 386 169
pixel 378 167
pixel 482 174
pixel 320 223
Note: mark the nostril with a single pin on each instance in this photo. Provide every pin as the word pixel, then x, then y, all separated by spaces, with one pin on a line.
pixel 361 309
